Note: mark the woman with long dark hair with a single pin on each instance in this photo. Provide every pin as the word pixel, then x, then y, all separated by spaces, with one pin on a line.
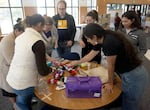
pixel 122 59
pixel 134 31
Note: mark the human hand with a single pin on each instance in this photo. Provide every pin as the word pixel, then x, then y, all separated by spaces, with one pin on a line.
pixel 73 63
pixel 50 59
pixel 56 46
pixel 82 44
pixel 108 87
pixel 69 43
pixel 53 59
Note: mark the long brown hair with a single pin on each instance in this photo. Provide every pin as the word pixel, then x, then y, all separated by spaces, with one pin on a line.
pixel 95 29
pixel 129 49
pixel 132 15
pixel 93 14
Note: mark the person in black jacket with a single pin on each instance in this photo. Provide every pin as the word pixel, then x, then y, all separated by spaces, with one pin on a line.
pixel 66 28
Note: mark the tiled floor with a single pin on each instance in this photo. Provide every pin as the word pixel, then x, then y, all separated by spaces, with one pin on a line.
pixel 145 102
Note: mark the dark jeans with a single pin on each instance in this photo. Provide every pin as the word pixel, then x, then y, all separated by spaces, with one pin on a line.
pixel 133 85
pixel 24 98
pixel 63 48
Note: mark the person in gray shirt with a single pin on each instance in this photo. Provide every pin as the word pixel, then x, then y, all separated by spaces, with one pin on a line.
pixel 134 32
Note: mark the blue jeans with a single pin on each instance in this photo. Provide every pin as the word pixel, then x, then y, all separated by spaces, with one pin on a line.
pixel 24 98
pixel 133 85
pixel 63 48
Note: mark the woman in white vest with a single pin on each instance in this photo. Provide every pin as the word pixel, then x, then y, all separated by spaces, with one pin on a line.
pixel 28 61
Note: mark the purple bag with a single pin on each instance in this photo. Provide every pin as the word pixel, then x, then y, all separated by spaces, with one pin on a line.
pixel 83 87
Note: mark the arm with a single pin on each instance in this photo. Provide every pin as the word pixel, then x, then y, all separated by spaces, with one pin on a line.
pixel 81 41
pixel 111 67
pixel 55 34
pixel 82 44
pixel 86 58
pixel 8 49
pixel 48 58
pixel 55 20
pixel 39 50
pixel 81 33
pixel 142 44
pixel 72 28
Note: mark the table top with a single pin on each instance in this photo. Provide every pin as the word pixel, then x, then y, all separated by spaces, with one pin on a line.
pixel 58 98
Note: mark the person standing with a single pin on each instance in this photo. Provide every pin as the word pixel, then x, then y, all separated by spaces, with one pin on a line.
pixel 50 35
pixel 29 61
pixel 7 45
pixel 117 21
pixel 66 28
pixel 122 59
pixel 134 32
pixel 91 17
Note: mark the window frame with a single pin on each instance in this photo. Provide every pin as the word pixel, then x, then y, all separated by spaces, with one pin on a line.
pixel 92 6
pixel 9 7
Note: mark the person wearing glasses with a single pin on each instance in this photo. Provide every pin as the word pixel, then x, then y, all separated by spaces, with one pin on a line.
pixel 66 28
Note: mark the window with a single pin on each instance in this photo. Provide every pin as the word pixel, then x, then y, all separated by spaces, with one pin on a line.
pixel 10 11
pixel 49 7
pixel 115 6
pixel 91 4
pixel 46 7
pixel 72 8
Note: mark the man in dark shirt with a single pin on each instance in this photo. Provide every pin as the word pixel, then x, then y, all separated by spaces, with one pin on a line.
pixel 66 28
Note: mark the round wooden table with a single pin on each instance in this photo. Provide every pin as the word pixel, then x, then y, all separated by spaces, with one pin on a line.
pixel 58 98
